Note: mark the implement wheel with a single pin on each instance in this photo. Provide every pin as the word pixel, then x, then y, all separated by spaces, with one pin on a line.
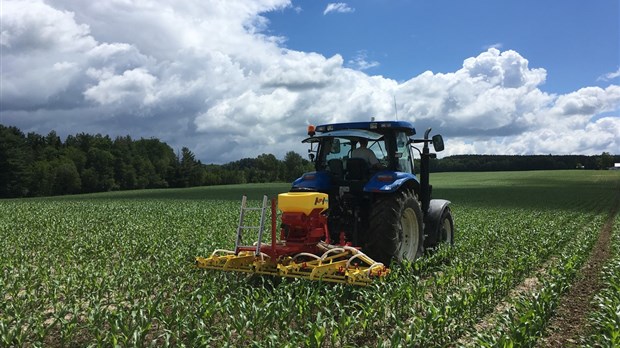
pixel 395 228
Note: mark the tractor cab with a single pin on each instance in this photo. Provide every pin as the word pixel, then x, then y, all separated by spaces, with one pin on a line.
pixel 363 156
pixel 342 156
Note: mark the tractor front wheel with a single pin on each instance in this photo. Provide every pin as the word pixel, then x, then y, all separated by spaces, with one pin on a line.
pixel 446 227
pixel 395 228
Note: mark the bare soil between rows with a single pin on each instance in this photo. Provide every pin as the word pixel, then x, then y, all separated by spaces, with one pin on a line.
pixel 570 321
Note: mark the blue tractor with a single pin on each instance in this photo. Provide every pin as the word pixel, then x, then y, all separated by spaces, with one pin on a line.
pixel 346 222
pixel 376 201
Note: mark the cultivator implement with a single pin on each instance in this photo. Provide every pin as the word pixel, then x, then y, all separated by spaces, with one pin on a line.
pixel 304 249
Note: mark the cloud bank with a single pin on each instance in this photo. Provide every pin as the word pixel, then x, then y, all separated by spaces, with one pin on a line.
pixel 205 74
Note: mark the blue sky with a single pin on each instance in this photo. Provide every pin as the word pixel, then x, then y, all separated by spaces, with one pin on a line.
pixel 576 41
pixel 235 79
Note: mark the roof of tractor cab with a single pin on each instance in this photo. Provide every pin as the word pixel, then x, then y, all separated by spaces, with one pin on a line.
pixel 345 133
pixel 375 126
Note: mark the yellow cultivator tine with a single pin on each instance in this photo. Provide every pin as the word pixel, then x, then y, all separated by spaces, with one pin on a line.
pixel 329 269
pixel 240 263
pixel 228 262
pixel 339 265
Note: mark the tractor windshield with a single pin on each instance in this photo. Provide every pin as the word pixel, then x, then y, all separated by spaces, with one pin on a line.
pixel 336 147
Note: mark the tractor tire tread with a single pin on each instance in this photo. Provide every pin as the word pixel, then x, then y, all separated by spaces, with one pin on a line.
pixel 384 226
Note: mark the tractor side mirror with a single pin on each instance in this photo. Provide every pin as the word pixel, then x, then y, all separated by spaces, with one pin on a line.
pixel 438 143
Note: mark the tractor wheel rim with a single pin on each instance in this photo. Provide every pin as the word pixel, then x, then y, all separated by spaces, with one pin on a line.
pixel 409 235
pixel 446 231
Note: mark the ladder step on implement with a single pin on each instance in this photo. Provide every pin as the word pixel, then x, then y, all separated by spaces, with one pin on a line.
pixel 243 227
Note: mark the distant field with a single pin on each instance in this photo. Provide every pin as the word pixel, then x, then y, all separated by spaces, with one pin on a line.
pixel 452 185
pixel 115 269
pixel 562 189
pixel 221 192
pixel 509 189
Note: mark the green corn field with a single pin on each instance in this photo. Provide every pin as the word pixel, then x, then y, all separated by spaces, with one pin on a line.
pixel 116 269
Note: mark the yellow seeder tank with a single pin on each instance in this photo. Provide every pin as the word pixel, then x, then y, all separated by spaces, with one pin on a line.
pixel 302 202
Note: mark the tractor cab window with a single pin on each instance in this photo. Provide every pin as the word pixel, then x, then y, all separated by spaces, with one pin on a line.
pixel 337 148
pixel 403 154
pixel 334 153
pixel 378 147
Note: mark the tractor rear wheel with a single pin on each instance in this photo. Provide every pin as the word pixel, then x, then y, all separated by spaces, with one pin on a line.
pixel 395 228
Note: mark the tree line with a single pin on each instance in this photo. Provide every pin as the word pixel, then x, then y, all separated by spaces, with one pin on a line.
pixel 489 163
pixel 36 165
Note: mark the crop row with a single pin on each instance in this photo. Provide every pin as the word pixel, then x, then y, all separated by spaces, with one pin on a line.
pixel 86 269
pixel 475 282
pixel 605 321
pixel 524 318
pixel 113 272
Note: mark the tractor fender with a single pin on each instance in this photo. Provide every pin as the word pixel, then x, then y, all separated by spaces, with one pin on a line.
pixel 436 208
pixel 387 182
pixel 313 181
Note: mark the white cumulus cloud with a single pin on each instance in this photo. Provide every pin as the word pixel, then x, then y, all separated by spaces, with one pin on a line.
pixel 135 85
pixel 338 7
pixel 205 74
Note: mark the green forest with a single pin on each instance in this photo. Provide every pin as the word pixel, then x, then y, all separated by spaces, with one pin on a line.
pixel 35 165
pixel 494 163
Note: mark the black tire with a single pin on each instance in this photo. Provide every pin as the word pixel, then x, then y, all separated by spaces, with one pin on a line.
pixel 446 227
pixel 395 229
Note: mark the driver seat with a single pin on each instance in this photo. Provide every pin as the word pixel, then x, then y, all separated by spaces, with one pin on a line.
pixel 357 169
pixel 336 167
